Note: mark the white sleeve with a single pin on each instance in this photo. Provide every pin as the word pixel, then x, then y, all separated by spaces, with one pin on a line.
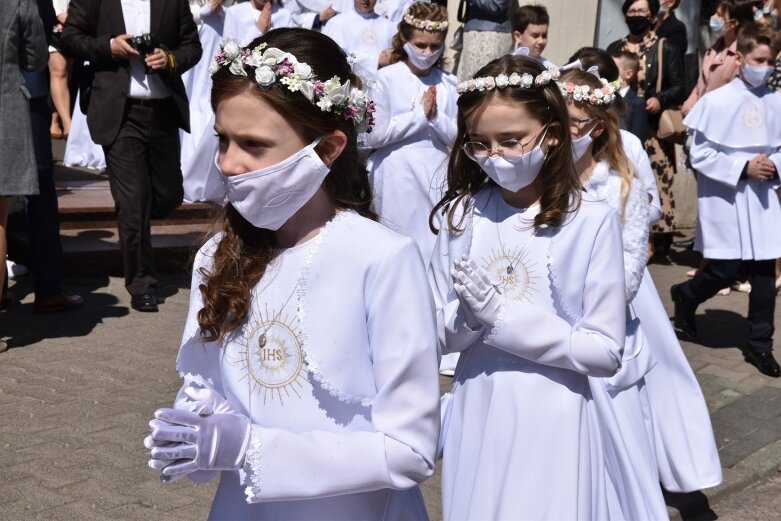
pixel 775 157
pixel 391 128
pixel 444 123
pixel 452 332
pixel 283 465
pixel 709 160
pixel 635 237
pixel 637 154
pixel 594 345
pixel 230 27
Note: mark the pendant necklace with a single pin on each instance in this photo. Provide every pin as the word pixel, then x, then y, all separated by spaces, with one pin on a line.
pixel 262 338
pixel 511 266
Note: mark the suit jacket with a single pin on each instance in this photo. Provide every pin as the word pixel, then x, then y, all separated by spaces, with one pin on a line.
pixel 635 119
pixel 87 34
pixel 22 48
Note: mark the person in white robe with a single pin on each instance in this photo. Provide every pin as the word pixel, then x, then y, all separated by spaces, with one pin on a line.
pixel 393 10
pixel 736 148
pixel 533 305
pixel 418 101
pixel 200 182
pixel 362 32
pixel 313 14
pixel 315 392
pixel 246 21
pixel 607 175
pixel 80 150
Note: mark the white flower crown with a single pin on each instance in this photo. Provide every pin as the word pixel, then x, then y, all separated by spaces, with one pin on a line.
pixel 604 95
pixel 425 25
pixel 501 81
pixel 269 64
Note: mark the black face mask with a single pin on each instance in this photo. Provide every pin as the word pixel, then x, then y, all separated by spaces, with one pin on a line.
pixel 637 24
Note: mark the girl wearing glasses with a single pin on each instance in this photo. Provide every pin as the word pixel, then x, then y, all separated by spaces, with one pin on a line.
pixel 529 287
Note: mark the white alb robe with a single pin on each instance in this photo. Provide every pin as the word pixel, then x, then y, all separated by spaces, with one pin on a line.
pixel 80 150
pixel 521 437
pixel 635 151
pixel 365 35
pixel 344 395
pixel 738 218
pixel 201 180
pixel 241 21
pixel 409 169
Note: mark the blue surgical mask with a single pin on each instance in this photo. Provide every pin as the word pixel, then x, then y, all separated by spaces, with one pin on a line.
pixel 716 26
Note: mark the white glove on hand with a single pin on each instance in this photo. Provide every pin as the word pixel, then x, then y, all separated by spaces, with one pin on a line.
pixel 200 400
pixel 183 442
pixel 477 294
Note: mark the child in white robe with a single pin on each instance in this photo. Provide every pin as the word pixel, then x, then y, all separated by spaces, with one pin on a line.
pixel 737 151
pixel 607 175
pixel 309 354
pixel 675 411
pixel 362 32
pixel 528 281
pixel 418 100
pixel 246 21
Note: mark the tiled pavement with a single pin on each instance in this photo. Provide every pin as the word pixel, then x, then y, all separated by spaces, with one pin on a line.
pixel 77 389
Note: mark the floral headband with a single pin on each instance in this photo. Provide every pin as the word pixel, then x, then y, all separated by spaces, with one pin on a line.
pixel 501 81
pixel 271 65
pixel 593 96
pixel 426 25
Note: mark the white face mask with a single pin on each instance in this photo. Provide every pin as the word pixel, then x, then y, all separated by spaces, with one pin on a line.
pixel 580 146
pixel 422 61
pixel 514 173
pixel 756 75
pixel 716 26
pixel 268 197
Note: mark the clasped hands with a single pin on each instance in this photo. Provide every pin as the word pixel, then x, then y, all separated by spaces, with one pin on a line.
pixel 210 436
pixel 761 168
pixel 480 299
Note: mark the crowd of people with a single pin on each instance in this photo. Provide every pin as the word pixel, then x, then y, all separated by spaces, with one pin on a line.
pixel 385 220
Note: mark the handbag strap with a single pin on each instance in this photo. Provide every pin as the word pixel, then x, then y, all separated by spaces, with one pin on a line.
pixel 660 51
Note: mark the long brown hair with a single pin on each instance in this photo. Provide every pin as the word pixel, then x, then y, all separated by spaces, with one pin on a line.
pixel 608 146
pixel 560 185
pixel 423 11
pixel 244 252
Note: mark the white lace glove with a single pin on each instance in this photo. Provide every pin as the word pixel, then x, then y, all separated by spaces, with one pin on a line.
pixel 187 443
pixel 477 294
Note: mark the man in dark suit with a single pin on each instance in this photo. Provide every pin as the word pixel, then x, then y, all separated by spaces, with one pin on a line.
pixel 135 108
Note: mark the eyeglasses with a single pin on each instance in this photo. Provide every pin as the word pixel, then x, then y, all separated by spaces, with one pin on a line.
pixel 578 124
pixel 507 148
pixel 638 12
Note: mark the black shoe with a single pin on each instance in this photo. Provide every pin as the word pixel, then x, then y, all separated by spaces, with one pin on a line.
pixel 765 363
pixel 146 303
pixel 683 317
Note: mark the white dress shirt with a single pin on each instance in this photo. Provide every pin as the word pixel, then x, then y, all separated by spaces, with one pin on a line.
pixel 137 14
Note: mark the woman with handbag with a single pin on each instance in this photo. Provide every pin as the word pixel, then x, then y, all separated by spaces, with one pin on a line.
pixel 660 82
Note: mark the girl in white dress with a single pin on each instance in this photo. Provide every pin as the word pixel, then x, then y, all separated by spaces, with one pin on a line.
pixel 309 354
pixel 607 174
pixel 529 286
pixel 418 100
pixel 246 21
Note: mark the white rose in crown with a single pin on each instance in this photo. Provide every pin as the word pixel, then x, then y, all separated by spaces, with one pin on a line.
pixel 331 85
pixel 302 70
pixel 214 67
pixel 272 56
pixel 237 68
pixel 231 49
pixel 265 76
pixel 358 98
pixel 341 94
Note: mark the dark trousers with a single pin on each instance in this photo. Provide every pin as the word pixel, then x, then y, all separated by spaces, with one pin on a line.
pixel 145 177
pixel 43 221
pixel 719 274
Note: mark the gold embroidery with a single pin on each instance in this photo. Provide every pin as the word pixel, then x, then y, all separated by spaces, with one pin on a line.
pixel 514 272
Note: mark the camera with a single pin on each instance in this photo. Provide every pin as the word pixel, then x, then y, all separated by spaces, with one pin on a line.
pixel 144 44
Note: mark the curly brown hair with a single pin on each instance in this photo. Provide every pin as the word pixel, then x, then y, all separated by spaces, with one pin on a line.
pixel 423 11
pixel 560 185
pixel 244 251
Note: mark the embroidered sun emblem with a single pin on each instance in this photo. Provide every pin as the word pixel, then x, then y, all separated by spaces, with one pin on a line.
pixel 369 37
pixel 753 118
pixel 272 356
pixel 513 272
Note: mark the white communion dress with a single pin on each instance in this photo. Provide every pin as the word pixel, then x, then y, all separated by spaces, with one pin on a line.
pixel 408 171
pixel 336 366
pixel 241 21
pixel 365 35
pixel 633 481
pixel 521 437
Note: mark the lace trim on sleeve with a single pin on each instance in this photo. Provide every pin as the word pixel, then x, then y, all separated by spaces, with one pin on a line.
pixel 250 472
pixel 634 233
pixel 489 339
